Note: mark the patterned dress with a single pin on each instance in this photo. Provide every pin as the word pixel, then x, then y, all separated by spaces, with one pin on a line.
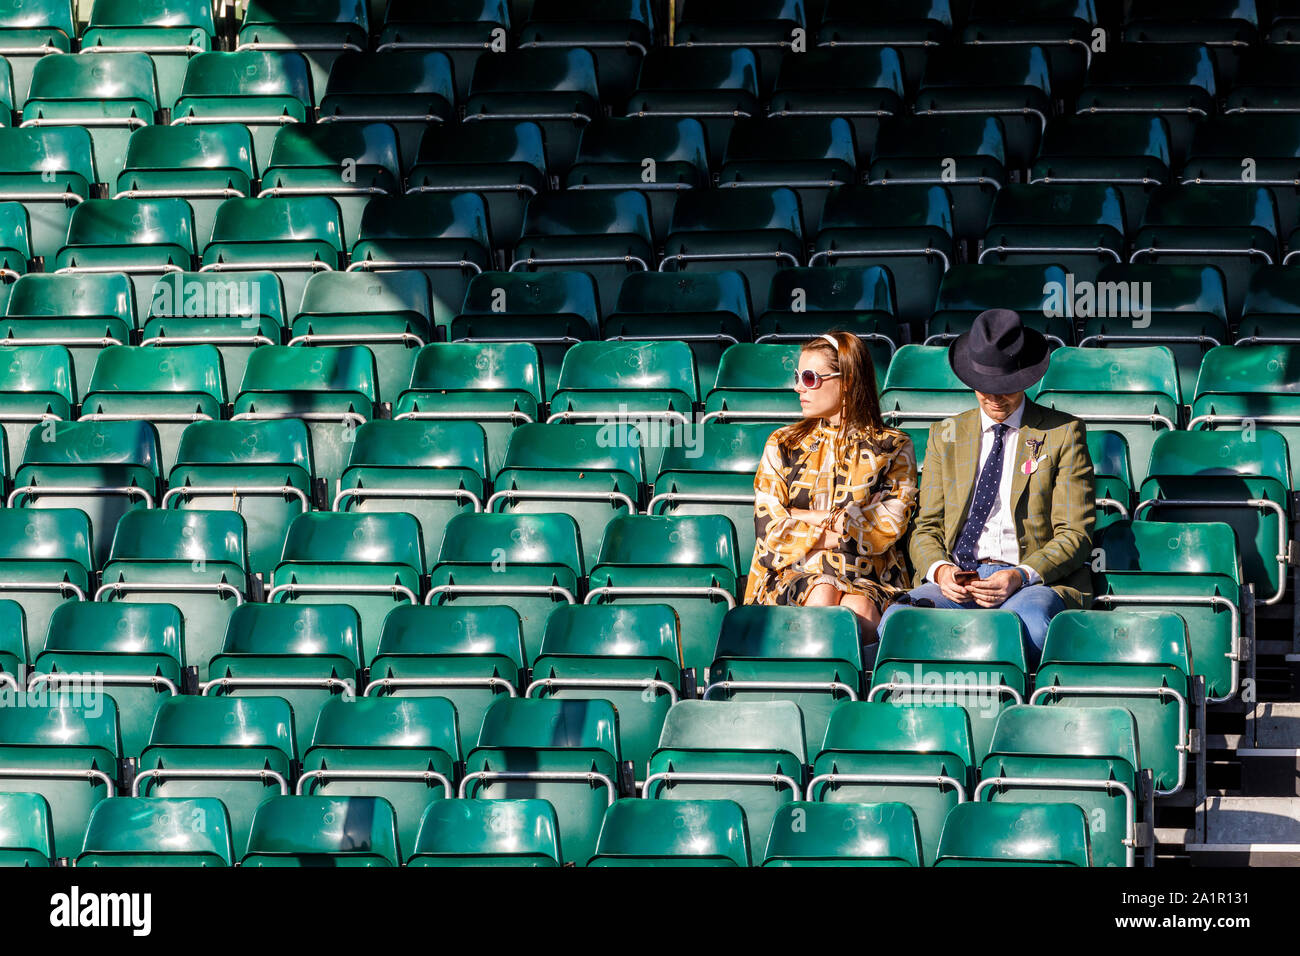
pixel 873 481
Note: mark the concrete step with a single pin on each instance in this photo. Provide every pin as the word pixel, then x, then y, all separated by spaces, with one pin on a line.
pixel 1274 725
pixel 1254 831
pixel 1270 750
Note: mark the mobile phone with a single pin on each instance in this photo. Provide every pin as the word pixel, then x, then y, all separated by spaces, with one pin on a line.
pixel 963 578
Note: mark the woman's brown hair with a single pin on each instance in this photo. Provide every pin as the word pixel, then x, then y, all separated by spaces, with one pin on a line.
pixel 860 401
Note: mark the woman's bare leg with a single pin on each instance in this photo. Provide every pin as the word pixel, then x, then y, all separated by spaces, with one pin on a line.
pixel 823 595
pixel 867 612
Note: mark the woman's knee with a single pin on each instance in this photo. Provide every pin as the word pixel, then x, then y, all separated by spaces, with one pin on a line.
pixel 863 607
pixel 823 595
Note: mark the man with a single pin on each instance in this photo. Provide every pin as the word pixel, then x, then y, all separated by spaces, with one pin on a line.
pixel 1006 490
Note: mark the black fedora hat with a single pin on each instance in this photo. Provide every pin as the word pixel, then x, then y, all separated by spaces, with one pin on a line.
pixel 999 355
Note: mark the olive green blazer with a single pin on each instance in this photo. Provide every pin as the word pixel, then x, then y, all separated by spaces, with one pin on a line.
pixel 1055 507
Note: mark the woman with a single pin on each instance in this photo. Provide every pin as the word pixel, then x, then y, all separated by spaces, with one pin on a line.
pixel 834 492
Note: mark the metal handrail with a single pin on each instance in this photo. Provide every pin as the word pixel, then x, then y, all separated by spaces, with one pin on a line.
pixel 63 491
pixel 612 683
pixel 324 774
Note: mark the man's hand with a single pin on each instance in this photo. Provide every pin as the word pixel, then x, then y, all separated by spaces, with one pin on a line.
pixel 948 586
pixel 996 588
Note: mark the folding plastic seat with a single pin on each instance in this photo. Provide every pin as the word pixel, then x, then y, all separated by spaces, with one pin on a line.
pixel 688 562
pixel 13 646
pixel 966 154
pixel 942 657
pixel 1243 479
pixel 1269 311
pixel 591 472
pixel 1272 143
pixel 235 311
pixel 387 312
pixel 156 831
pixel 330 387
pixel 168 387
pixel 1076 225
pixel 912 29
pixel 50 170
pixel 1015 834
pixel 463 29
pixel 495 384
pixel 1063 29
pixel 319 31
pixel 1129 152
pixel 26 837
pixel 261 469
pixel 239 750
pixel 1224 26
pixel 555 88
pixel 681 833
pixel 921 388
pixel 844 834
pixel 1266 82
pixel 1249 387
pixel 403 750
pixel 1112 476
pixel 410 90
pixel 431 470
pixel 488 833
pixel 262 89
pixel 135 652
pixel 46 558
pixel 617 35
pixel 1174 81
pixel 661 156
pixel 1139 660
pixel 323 831
pixel 717 86
pixel 195 560
pixel 66 747
pixel 755 383
pixel 169 32
pixel 907 229
pixel 466 654
pixel 293 236
pixel 564 751
pixel 36 385
pixel 1037 292
pixel 807 656
pixel 305 653
pixel 110 95
pixel 1072 755
pixel 34 30
pixel 864 86
pixel 503 162
pixel 374 562
pixel 771 28
pixel 15 245
pixel 109 468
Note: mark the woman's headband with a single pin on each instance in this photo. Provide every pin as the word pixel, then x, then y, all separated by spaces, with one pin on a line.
pixel 831 339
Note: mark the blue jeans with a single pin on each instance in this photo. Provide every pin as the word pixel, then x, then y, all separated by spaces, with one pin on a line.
pixel 1035 605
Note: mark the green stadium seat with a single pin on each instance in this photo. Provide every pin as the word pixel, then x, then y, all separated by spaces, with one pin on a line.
pixel 321 31
pixel 388 312
pixel 617 35
pixel 13 646
pixel 497 385
pixel 1132 391
pixel 681 833
pixel 688 562
pixel 564 751
pixel 135 652
pixel 844 834
pixel 1062 28
pixel 527 562
pixel 1249 387
pixel 503 162
pixel 1271 141
pixel 469 655
pixel 34 30
pixel 1269 311
pixel 1112 477
pixel 1015 834
pixel 110 95
pixel 154 831
pixel 195 560
pixel 261 469
pixel 167 386
pixel 15 245
pixel 627 654
pixel 1243 479
pixel 330 387
pixel 46 558
pixel 1030 289
pixel 1076 225
pixel 768 27
pixel 1140 660
pixel 757 231
pixel 108 468
pixel 1224 27
pixel 264 90
pixel 50 170
pixel 323 831
pixel 36 385
pixel 402 749
pixel 239 750
pixel 975 659
pixel 552 310
pixel 921 388
pixel 305 653
pixel 26 837
pixel 755 383
pixel 169 32
pixel 1087 756
pixel 806 655
pixel 554 87
pixel 374 562
pixel 488 833
pixel 910 28
pixel 66 748
pixel 463 29
pixel 1265 82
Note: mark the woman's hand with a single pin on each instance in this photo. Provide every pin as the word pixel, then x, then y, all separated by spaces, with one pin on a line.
pixel 808 516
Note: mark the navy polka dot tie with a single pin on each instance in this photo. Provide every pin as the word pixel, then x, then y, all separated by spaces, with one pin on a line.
pixel 986 492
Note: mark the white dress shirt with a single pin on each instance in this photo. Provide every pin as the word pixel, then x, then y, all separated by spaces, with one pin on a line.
pixel 998 541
